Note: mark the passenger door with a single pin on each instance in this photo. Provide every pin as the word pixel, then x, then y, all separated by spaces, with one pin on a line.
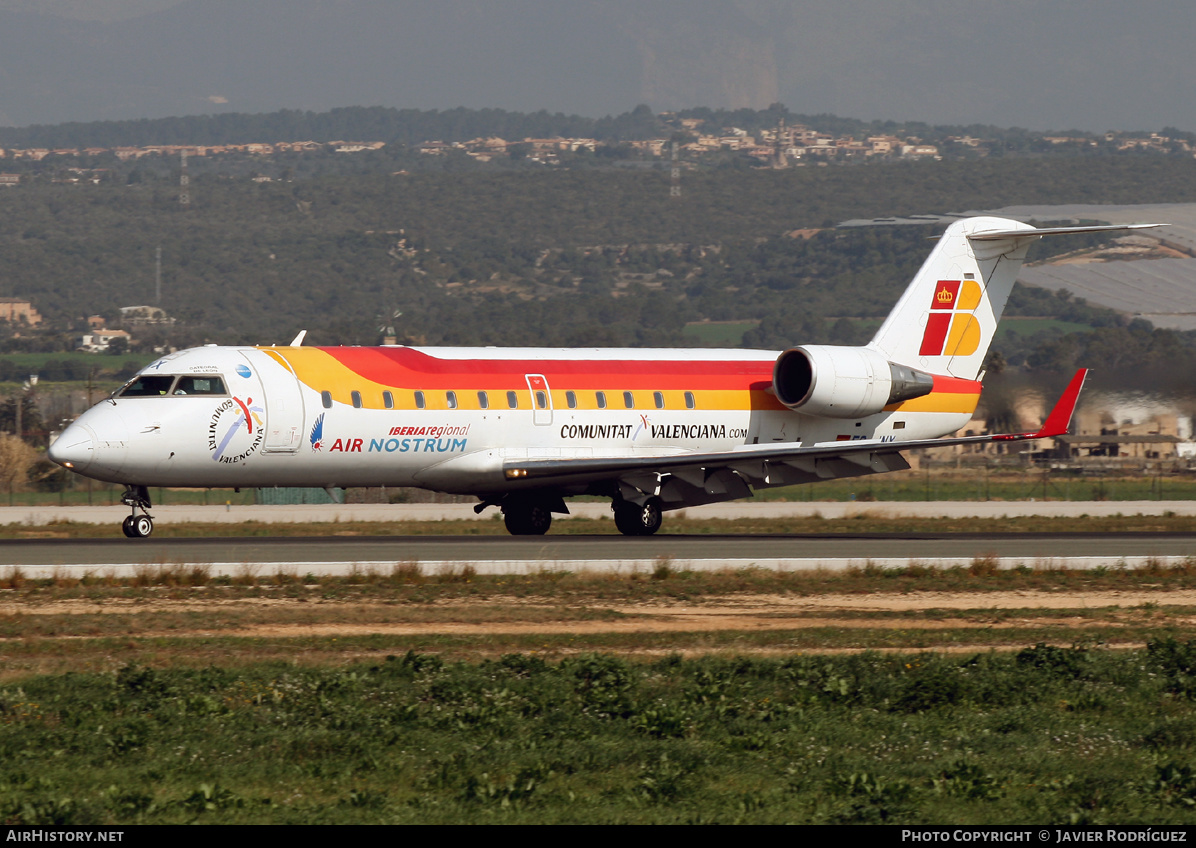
pixel 537 386
pixel 284 401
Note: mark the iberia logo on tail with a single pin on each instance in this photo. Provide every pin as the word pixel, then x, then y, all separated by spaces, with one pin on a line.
pixel 951 327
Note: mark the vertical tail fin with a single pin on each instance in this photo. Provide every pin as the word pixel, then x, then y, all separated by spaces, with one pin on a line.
pixel 945 321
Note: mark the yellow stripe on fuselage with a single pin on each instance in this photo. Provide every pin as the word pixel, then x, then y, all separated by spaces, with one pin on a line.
pixel 939 402
pixel 321 372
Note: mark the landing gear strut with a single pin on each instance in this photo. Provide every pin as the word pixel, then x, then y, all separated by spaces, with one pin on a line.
pixel 634 519
pixel 137 526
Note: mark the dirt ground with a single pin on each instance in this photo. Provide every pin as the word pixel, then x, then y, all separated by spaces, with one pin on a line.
pixel 925 611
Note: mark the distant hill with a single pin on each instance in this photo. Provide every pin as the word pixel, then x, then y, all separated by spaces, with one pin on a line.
pixel 374 123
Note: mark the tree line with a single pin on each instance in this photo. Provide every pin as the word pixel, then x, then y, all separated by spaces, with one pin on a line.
pixel 535 257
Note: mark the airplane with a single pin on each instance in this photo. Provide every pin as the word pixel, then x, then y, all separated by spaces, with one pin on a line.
pixel 524 428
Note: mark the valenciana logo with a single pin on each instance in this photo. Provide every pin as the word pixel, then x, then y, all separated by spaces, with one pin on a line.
pixel 235 430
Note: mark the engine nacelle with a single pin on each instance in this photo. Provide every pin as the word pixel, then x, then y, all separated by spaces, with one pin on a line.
pixel 844 382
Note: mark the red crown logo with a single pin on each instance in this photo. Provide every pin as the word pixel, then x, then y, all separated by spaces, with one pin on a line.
pixel 944 295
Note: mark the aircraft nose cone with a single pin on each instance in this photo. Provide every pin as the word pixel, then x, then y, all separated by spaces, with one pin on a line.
pixel 74 449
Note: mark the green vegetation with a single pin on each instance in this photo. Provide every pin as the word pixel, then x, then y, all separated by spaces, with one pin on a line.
pixel 493 257
pixel 1049 734
pixel 369 698
pixel 716 334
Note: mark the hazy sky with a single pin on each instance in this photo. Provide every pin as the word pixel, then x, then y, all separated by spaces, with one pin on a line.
pixel 1064 64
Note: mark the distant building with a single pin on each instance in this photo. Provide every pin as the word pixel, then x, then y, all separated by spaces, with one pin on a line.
pixel 357 146
pixel 101 341
pixel 17 310
pixel 142 316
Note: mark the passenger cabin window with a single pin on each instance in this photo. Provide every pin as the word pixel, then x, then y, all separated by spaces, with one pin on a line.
pixel 419 400
pixel 601 398
pixel 388 400
pixel 689 400
pixel 451 399
pixel 326 399
pixel 658 397
pixel 206 385
pixel 571 399
pixel 356 399
pixel 148 385
pixel 629 400
pixel 483 401
pixel 512 400
pixel 541 400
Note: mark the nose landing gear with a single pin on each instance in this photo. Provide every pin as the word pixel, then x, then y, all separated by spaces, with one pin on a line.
pixel 137 526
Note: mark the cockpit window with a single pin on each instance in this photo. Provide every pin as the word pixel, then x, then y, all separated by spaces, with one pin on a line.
pixel 159 385
pixel 208 384
pixel 148 385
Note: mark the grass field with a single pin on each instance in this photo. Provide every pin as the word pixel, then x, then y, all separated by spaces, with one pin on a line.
pixel 1030 326
pixel 1046 735
pixel 717 333
pixel 914 695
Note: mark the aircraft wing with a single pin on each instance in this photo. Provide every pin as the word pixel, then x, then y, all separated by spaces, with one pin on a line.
pixel 689 479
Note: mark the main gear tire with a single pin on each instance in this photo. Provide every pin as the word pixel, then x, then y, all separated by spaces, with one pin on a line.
pixel 639 519
pixel 527 517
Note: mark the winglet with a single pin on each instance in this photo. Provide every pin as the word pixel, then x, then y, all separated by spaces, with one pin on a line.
pixel 298 340
pixel 1060 418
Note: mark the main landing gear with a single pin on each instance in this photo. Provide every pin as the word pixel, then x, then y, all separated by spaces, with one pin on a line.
pixel 531 514
pixel 137 526
pixel 526 516
pixel 634 519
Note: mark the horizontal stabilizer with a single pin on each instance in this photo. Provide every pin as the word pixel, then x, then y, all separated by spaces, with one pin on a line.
pixel 1057 231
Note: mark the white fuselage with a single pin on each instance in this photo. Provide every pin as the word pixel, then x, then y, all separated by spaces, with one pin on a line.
pixel 447 419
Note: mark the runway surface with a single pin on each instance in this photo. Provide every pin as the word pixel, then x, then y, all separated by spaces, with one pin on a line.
pixel 511 555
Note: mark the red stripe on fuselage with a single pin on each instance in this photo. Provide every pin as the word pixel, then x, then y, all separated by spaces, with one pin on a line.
pixel 406 367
